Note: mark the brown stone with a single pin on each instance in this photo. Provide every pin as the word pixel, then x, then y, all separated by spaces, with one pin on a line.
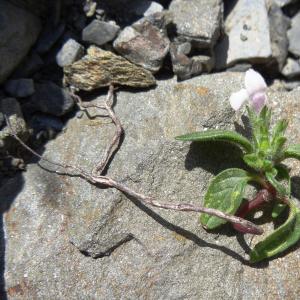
pixel 101 68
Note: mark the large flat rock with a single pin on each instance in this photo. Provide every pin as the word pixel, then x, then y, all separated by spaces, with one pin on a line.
pixel 66 239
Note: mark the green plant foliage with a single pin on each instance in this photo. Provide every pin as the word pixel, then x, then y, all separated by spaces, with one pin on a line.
pixel 292 151
pixel 281 239
pixel 278 208
pixel 225 193
pixel 280 188
pixel 217 135
pixel 263 154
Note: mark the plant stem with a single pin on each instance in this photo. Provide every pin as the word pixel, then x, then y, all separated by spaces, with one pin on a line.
pixel 106 181
pixel 262 197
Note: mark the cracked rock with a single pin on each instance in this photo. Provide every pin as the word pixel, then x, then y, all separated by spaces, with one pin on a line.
pixel 143 44
pixel 101 68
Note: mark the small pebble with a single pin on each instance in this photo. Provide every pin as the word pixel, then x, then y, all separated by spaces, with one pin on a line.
pixel 69 53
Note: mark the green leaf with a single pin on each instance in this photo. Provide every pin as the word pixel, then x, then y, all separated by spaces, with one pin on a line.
pixel 254 161
pixel 260 124
pixel 292 151
pixel 217 135
pixel 278 208
pixel 280 188
pixel 226 194
pixel 279 129
pixel 281 239
pixel 283 174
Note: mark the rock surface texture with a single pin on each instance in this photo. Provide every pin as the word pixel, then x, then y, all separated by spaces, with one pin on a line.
pixel 101 68
pixel 198 21
pixel 99 33
pixel 57 225
pixel 143 44
pixel 247 34
pixel 19 31
pixel 294 35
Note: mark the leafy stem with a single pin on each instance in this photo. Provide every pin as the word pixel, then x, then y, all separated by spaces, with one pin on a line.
pixel 263 154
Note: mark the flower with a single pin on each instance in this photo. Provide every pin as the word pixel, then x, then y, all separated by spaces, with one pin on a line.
pixel 255 91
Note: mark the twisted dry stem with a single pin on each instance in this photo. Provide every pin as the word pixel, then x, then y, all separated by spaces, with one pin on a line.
pixel 96 177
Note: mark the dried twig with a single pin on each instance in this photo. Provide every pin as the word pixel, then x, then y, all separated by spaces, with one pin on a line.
pixel 94 178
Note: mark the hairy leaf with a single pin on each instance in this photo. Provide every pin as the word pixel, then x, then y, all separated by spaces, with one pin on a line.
pixel 224 193
pixel 292 151
pixel 281 239
pixel 217 135
pixel 280 188
pixel 279 129
pixel 283 174
pixel 253 161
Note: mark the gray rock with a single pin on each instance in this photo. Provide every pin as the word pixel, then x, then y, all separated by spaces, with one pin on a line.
pixel 99 32
pixel 69 53
pixel 19 31
pixel 51 99
pixel 20 88
pixel 143 44
pixel 41 122
pixel 279 25
pixel 242 67
pixel 147 8
pixel 247 35
pixel 12 110
pixel 291 85
pixel 291 68
pixel 161 20
pixel 184 66
pixel 282 3
pixel 29 66
pixel 294 35
pixel 198 21
pixel 49 37
pixel 167 255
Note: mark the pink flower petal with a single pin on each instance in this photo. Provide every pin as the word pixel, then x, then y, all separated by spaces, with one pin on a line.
pixel 258 100
pixel 237 99
pixel 254 82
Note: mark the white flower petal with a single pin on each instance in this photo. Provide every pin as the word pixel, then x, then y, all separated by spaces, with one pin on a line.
pixel 254 82
pixel 237 99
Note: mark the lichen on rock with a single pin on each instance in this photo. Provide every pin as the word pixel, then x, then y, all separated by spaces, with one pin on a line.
pixel 101 68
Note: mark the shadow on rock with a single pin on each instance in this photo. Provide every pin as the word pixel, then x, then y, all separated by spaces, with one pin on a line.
pixel 185 233
pixel 9 190
pixel 213 157
pixel 295 182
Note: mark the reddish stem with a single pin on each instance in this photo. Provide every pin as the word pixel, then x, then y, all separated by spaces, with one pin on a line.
pixel 262 197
